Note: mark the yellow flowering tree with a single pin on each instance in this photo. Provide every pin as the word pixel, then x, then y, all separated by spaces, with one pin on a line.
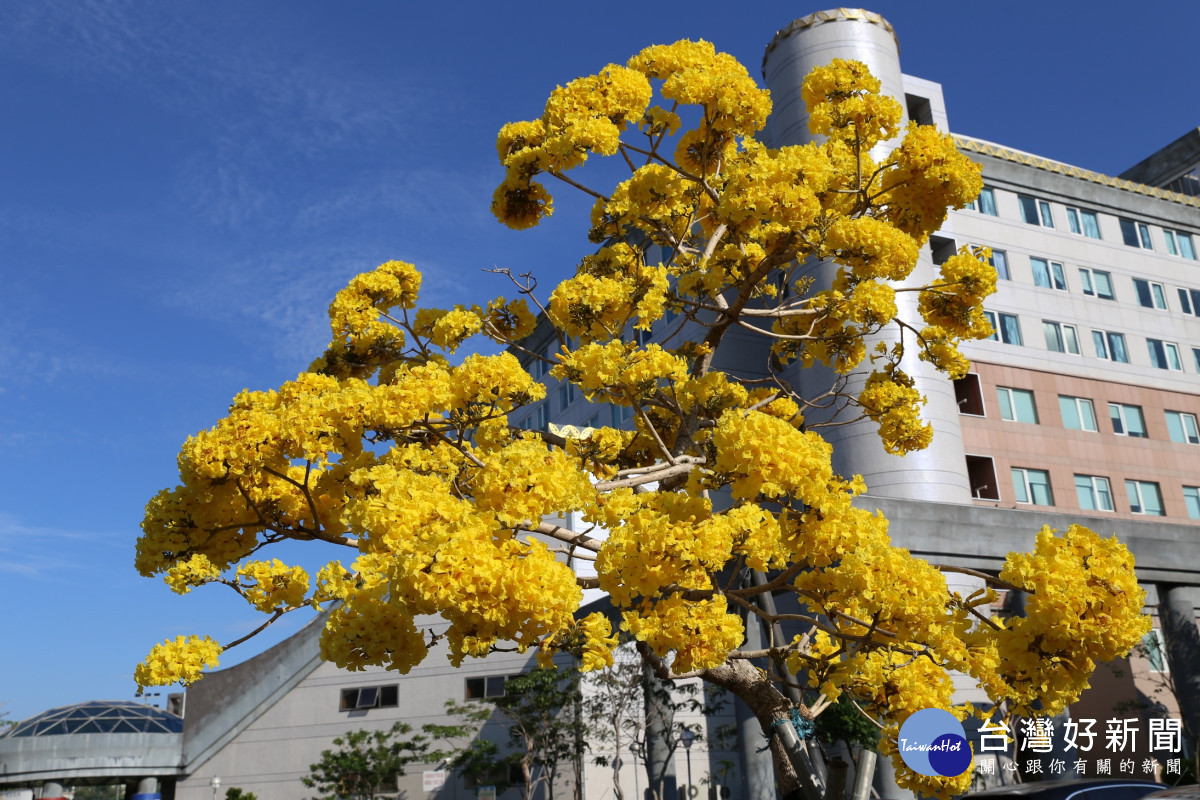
pixel 387 447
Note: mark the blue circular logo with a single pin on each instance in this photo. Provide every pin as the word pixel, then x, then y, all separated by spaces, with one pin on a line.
pixel 932 742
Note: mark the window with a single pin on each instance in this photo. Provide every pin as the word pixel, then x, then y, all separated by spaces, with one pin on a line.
pixel 619 414
pixel 1127 420
pixel 1191 496
pixel 1189 301
pixel 998 259
pixel 986 203
pixel 1035 212
pixel 567 394
pixel 485 687
pixel 1096 283
pixel 1164 355
pixel 1156 651
pixel 1060 337
pixel 1196 357
pixel 1048 275
pixel 968 395
pixel 1083 221
pixel 1136 234
pixel 1182 427
pixel 1016 405
pixel 1150 295
pixel 540 417
pixel 1094 493
pixel 1007 329
pixel 370 697
pixel 1180 244
pixel 982 475
pixel 1077 413
pixel 1110 346
pixel 1032 486
pixel 1144 498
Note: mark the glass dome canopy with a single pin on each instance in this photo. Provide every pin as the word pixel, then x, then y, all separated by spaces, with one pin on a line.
pixel 102 716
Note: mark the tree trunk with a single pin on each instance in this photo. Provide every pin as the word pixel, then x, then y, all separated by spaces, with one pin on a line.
pixel 768 705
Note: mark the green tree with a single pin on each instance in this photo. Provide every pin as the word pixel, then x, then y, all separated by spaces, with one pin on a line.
pixel 365 763
pixel 234 793
pixel 538 711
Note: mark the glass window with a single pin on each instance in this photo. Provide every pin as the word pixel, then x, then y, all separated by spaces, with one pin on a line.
pixel 1048 274
pixel 998 259
pixel 1182 427
pixel 1156 651
pixel 986 204
pixel 1144 498
pixel 1110 346
pixel 1094 493
pixel 1047 219
pixel 1164 355
pixel 1150 295
pixel 1136 234
pixel 1180 243
pixel 1189 301
pixel 1016 405
pixel 1032 486
pixel 1029 209
pixel 1196 357
pixel 1187 248
pixel 1127 420
pixel 1077 413
pixel 1091 224
pixel 1005 327
pixel 1096 283
pixel 1191 496
pixel 1060 338
pixel 1073 220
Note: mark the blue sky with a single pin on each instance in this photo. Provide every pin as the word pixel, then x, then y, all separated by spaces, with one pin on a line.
pixel 184 186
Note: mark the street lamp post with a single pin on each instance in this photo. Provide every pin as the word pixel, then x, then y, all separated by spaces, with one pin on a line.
pixel 215 783
pixel 687 737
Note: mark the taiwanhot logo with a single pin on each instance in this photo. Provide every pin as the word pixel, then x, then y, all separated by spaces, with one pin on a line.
pixel 933 742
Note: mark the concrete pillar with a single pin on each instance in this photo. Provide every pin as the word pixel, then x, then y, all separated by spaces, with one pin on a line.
pixel 660 736
pixel 1177 613
pixel 937 473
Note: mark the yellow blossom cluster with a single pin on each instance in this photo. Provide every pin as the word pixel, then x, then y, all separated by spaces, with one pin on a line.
pixel 272 585
pixel 180 661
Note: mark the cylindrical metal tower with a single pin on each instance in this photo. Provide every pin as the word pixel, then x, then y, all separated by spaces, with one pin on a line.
pixel 937 473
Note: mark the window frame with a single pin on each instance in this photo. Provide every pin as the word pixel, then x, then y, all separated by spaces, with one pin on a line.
pixel 979 205
pixel 1006 398
pixel 1103 342
pixel 1062 339
pixel 1038 208
pixel 1051 276
pixel 1000 333
pixel 1077 222
pixel 1028 486
pixel 1168 358
pixel 1123 412
pixel 1176 243
pixel 1094 493
pixel 1077 403
pixel 1087 279
pixel 1150 294
pixel 1182 420
pixel 1191 499
pixel 1136 234
pixel 1136 487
